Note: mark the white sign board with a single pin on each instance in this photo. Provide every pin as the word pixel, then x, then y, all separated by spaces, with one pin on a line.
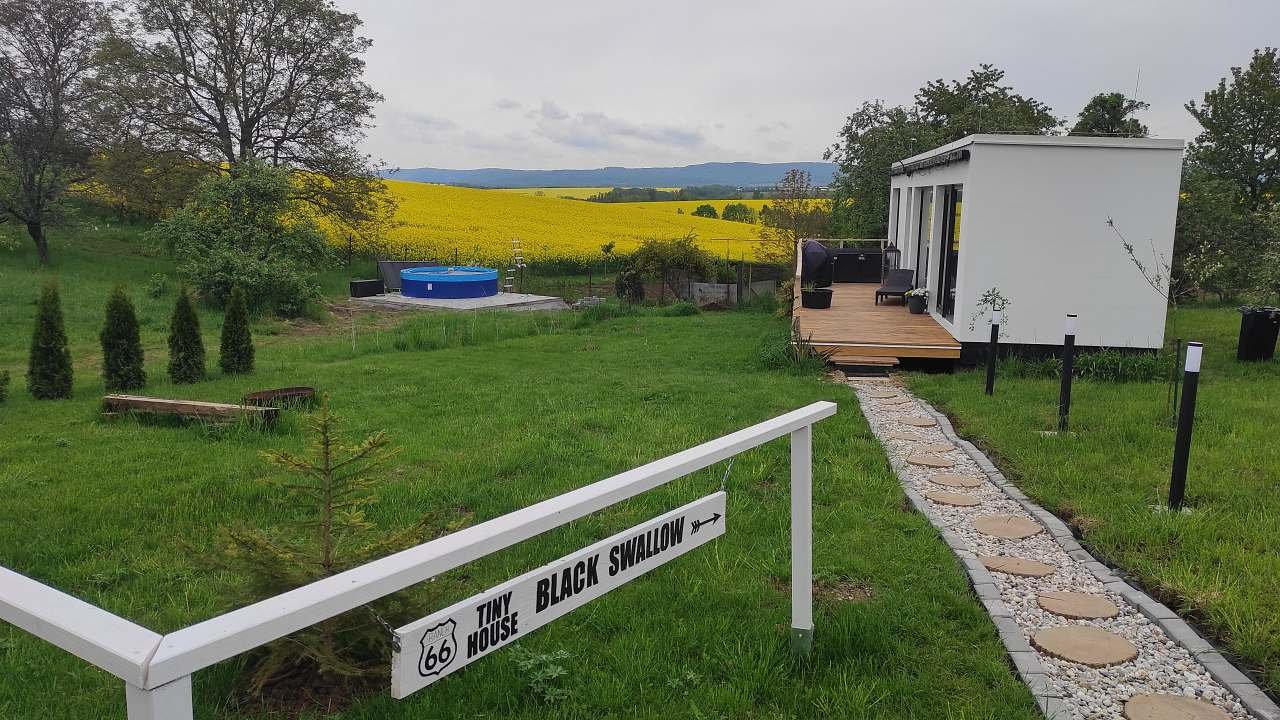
pixel 451 639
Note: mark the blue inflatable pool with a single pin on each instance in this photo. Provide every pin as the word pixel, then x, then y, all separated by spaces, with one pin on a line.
pixel 449 282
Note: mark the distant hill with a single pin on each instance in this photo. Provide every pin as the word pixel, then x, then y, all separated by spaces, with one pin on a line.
pixel 743 174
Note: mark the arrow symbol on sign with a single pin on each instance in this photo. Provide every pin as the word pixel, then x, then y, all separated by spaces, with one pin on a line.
pixel 711 521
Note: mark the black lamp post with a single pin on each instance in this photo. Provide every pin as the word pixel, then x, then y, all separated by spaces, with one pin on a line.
pixel 1186 415
pixel 1068 363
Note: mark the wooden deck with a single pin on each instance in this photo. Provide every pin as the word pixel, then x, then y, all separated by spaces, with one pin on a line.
pixel 859 332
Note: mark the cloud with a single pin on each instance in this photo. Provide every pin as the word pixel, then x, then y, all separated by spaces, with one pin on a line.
pixel 418 126
pixel 774 127
pixel 598 131
pixel 507 104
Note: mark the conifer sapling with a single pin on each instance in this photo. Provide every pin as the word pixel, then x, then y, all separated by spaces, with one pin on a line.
pixel 49 366
pixel 121 346
pixel 186 347
pixel 235 352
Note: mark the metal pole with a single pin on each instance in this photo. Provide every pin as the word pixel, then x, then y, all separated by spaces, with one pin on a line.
pixel 1068 366
pixel 802 540
pixel 171 701
pixel 991 351
pixel 1186 416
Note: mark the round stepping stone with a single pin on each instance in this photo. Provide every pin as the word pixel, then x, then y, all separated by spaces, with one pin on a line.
pixel 899 435
pixel 1171 707
pixel 1077 605
pixel 955 481
pixel 918 421
pixel 951 498
pixel 882 394
pixel 1009 527
pixel 932 461
pixel 940 447
pixel 1085 645
pixel 1021 567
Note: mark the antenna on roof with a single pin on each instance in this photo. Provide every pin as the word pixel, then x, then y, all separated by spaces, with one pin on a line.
pixel 1136 80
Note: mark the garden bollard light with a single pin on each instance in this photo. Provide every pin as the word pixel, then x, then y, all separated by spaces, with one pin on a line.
pixel 1068 363
pixel 1186 414
pixel 991 351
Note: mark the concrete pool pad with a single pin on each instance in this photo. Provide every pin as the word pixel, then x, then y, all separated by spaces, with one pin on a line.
pixel 501 301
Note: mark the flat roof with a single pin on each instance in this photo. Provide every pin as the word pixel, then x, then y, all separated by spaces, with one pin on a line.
pixel 1050 141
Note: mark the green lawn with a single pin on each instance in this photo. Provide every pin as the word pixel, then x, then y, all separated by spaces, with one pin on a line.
pixel 1218 563
pixel 494 412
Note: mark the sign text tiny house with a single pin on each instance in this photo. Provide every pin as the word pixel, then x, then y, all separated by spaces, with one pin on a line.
pixel 442 643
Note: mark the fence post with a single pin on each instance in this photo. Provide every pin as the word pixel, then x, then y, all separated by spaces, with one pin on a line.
pixel 1186 416
pixel 1068 362
pixel 171 701
pixel 802 540
pixel 991 351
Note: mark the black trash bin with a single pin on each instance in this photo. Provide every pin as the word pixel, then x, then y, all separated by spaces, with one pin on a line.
pixel 1259 327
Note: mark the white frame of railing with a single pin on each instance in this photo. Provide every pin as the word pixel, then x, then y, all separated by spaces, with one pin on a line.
pixel 157 669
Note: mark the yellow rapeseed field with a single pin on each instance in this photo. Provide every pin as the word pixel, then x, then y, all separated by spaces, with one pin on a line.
pixel 436 220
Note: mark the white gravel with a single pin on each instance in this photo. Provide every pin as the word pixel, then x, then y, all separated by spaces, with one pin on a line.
pixel 1162 666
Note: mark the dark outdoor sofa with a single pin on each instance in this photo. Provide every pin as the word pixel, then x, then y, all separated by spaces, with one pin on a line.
pixel 896 284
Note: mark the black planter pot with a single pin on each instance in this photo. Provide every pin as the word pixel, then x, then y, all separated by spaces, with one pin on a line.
pixel 916 303
pixel 819 299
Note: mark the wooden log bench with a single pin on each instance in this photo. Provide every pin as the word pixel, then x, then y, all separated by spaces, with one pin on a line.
pixel 116 404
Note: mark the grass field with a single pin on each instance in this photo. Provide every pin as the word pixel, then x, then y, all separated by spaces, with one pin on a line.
pixel 494 412
pixel 1218 563
pixel 437 220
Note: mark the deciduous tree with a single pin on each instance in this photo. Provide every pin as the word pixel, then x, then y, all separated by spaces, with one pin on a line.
pixel 1111 114
pixel 795 212
pixel 49 54
pixel 981 104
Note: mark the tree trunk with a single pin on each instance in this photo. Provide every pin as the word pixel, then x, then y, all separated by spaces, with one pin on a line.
pixel 36 230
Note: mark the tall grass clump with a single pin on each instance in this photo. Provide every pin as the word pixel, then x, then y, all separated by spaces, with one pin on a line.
pixel 49 365
pixel 121 345
pixel 792 352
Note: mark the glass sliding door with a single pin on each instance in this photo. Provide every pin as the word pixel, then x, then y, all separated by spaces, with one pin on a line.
pixel 924 235
pixel 952 205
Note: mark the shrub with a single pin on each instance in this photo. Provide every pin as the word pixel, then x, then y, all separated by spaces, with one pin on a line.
pixel 121 347
pixel 158 287
pixel 4 385
pixel 49 366
pixel 235 352
pixel 244 230
pixel 330 488
pixel 706 210
pixel 739 212
pixel 629 284
pixel 186 347
pixel 683 308
pixel 790 351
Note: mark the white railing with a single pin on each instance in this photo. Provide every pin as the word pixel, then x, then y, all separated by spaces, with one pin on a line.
pixel 157 669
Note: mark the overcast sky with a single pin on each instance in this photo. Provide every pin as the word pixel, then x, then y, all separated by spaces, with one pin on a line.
pixel 570 84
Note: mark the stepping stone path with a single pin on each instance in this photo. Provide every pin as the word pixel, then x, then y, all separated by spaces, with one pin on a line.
pixel 955 481
pixel 1016 566
pixel 899 435
pixel 1077 605
pixel 932 461
pixel 952 498
pixel 1087 644
pixel 1170 707
pixel 1008 527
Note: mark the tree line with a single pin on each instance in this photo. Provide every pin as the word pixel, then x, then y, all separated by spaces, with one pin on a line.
pixel 692 192
pixel 146 105
pixel 1228 230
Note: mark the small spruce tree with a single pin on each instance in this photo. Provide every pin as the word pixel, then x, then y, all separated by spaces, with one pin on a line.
pixel 49 367
pixel 186 347
pixel 4 385
pixel 235 353
pixel 121 347
pixel 329 488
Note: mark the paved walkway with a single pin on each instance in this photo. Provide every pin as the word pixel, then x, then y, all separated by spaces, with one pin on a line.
pixel 1087 643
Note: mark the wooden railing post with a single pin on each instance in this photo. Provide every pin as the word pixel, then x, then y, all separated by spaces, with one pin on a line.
pixel 167 702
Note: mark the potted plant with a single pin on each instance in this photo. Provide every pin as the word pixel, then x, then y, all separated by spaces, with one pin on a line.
pixel 917 299
pixel 814 297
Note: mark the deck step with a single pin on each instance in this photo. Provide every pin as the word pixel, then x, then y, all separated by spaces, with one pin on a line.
pixel 846 358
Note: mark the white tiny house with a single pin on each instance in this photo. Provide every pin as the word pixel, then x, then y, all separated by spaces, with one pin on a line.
pixel 1026 216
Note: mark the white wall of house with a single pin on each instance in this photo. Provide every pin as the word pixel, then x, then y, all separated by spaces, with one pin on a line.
pixel 1034 226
